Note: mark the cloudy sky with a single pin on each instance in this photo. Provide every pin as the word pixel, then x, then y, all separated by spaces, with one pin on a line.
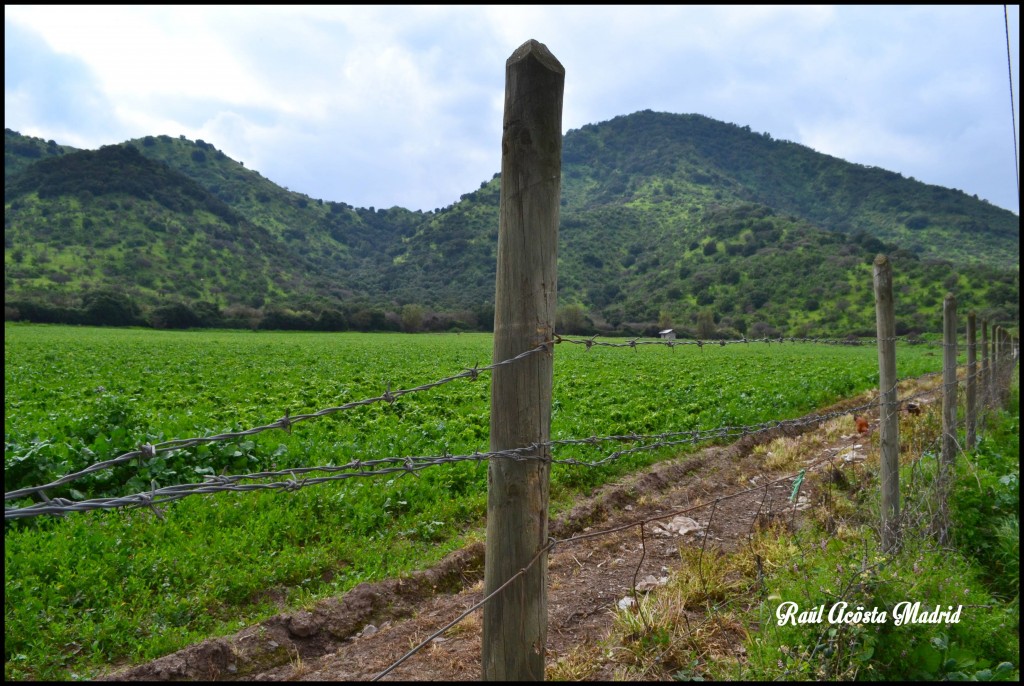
pixel 383 106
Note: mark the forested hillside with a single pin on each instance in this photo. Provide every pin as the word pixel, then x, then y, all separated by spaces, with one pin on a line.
pixel 666 220
pixel 22 151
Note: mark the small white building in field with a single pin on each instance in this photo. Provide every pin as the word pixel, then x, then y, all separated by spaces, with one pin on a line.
pixel 667 334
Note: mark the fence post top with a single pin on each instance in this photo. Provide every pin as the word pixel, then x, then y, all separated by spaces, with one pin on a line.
pixel 538 51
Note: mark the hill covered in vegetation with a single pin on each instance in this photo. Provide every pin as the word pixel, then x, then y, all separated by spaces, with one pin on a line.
pixel 666 220
pixel 22 151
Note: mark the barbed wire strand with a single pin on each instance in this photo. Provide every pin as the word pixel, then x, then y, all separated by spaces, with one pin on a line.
pixel 151 450
pixel 412 464
pixel 468 612
pixel 700 343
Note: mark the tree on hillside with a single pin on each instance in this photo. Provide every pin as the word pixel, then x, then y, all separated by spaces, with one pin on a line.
pixel 110 308
pixel 572 319
pixel 412 318
pixel 664 320
pixel 706 324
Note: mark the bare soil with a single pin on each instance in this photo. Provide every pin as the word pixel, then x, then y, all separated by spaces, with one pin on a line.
pixel 360 634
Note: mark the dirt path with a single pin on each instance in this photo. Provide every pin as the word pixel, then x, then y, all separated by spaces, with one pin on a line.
pixel 357 636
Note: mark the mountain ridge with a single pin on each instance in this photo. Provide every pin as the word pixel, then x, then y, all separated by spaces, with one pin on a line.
pixel 664 219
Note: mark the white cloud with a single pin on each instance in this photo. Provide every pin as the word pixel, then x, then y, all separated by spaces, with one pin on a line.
pixel 412 96
pixel 863 141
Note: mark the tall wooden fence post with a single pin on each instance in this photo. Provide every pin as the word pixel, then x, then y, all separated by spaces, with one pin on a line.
pixel 972 383
pixel 515 620
pixel 885 319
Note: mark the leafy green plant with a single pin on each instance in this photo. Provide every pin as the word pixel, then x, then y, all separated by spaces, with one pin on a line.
pixel 985 503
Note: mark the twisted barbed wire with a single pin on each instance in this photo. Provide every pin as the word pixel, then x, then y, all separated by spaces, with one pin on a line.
pixel 404 465
pixel 295 478
pixel 700 343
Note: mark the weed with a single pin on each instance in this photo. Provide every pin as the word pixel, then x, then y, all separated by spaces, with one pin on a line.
pixel 299 667
pixel 578 665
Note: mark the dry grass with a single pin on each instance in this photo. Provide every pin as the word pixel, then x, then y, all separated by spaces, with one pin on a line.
pixel 580 664
pixel 471 624
pixel 673 632
pixel 767 550
pixel 783 453
pixel 838 427
pixel 298 666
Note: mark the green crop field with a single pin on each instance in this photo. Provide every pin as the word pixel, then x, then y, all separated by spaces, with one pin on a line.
pixel 88 590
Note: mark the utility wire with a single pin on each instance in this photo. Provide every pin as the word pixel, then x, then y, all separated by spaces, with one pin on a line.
pixel 1013 116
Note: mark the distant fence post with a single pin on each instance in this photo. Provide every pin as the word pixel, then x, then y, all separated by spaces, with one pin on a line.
pixel 949 384
pixel 1007 359
pixel 999 357
pixel 885 320
pixel 1005 387
pixel 986 371
pixel 996 362
pixel 947 458
pixel 972 385
pixel 515 620
pixel 997 366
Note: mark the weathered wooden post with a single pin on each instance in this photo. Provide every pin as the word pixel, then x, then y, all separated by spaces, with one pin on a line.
pixel 997 367
pixel 949 384
pixel 972 383
pixel 986 370
pixel 947 458
pixel 1006 362
pixel 515 620
pixel 885 319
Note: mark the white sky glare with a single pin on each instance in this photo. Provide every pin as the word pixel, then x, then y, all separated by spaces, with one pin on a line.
pixel 401 105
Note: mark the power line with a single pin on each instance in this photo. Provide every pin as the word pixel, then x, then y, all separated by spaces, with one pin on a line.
pixel 1013 116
